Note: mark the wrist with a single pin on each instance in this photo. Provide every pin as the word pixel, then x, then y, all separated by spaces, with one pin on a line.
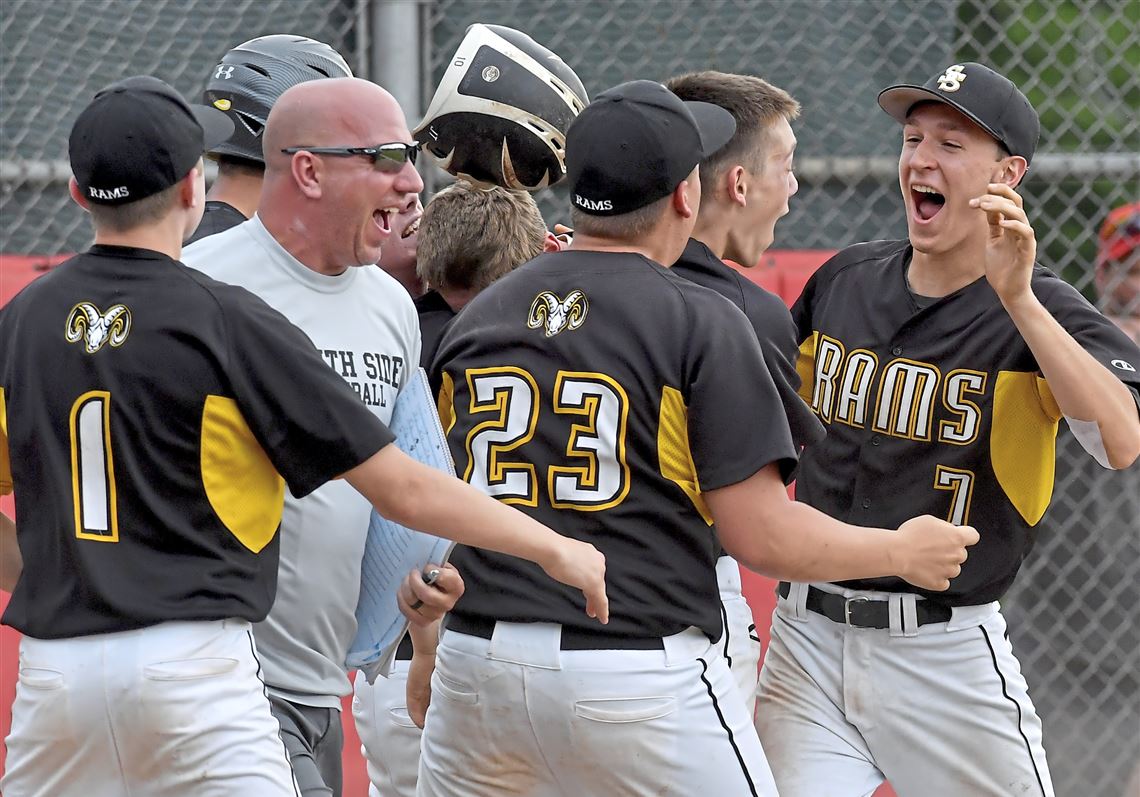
pixel 1021 304
pixel 893 550
pixel 550 550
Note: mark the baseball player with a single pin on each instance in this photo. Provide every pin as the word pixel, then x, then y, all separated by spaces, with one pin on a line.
pixel 245 85
pixel 146 465
pixel 941 366
pixel 469 237
pixel 745 189
pixel 564 397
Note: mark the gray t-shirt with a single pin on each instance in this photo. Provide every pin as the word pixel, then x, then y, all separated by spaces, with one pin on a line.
pixel 365 326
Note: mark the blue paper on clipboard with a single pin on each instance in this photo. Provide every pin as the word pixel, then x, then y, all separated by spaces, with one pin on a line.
pixel 392 550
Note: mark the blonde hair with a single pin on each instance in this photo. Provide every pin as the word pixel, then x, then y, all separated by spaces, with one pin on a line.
pixel 470 236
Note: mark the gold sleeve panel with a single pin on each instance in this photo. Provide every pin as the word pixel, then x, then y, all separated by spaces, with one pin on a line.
pixel 673 451
pixel 1023 441
pixel 445 404
pixel 241 484
pixel 805 366
pixel 1048 402
pixel 5 462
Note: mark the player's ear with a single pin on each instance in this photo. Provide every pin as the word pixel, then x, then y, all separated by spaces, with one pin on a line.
pixel 307 173
pixel 188 193
pixel 77 195
pixel 735 183
pixel 1011 169
pixel 551 244
pixel 686 199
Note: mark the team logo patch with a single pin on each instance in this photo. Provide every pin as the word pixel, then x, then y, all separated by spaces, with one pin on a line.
pixel 552 314
pixel 951 79
pixel 85 323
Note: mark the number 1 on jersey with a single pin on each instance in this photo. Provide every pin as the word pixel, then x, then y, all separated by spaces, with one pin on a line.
pixel 92 468
pixel 960 483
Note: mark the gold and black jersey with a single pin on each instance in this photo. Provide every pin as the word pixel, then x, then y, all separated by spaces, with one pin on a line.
pixel 939 409
pixel 771 322
pixel 152 419
pixel 600 393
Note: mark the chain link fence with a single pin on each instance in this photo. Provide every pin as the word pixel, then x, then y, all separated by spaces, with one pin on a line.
pixel 1073 612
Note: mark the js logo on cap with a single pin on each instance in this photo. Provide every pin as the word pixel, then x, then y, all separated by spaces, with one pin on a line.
pixel 951 79
pixel 85 323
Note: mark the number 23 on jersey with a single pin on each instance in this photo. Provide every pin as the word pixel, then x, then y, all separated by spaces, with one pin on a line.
pixel 505 404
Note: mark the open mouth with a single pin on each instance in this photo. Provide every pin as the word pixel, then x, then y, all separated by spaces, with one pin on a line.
pixel 412 228
pixel 927 201
pixel 383 219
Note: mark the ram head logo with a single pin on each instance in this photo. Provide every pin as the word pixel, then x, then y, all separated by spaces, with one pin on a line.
pixel 85 323
pixel 555 314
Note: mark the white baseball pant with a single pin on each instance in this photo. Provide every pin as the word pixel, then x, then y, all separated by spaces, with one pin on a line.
pixel 516 715
pixel 939 710
pixel 165 711
pixel 390 741
pixel 740 644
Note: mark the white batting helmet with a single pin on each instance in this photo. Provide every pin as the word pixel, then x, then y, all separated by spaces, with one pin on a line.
pixel 501 112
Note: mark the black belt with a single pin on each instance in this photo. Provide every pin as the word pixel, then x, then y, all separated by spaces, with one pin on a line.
pixel 863 612
pixel 572 638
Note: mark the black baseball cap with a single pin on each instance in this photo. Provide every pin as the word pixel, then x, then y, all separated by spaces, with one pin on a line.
pixel 635 143
pixel 987 98
pixel 138 137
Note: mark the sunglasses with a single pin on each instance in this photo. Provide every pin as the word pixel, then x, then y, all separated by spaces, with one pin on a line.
pixel 385 157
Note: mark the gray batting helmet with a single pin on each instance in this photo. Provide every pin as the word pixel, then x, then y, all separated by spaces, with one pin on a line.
pixel 254 74
pixel 502 109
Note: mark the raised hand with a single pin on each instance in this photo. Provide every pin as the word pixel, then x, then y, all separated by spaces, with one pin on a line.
pixel 1011 246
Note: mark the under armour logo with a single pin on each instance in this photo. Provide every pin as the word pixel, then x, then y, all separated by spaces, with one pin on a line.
pixel 554 314
pixel 951 79
pixel 1123 366
pixel 223 72
pixel 85 323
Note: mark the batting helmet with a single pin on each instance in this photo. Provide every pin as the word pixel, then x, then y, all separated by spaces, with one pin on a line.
pixel 254 74
pixel 501 112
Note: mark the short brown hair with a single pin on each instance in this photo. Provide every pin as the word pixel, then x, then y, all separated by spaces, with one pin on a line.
pixel 754 103
pixel 132 215
pixel 471 236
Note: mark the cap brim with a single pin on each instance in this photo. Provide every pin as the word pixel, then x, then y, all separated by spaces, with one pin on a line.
pixel 216 126
pixel 715 124
pixel 898 100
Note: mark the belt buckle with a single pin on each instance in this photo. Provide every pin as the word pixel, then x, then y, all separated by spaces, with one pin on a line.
pixel 847 608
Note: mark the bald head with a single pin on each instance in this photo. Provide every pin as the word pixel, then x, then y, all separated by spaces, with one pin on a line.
pixel 337 112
